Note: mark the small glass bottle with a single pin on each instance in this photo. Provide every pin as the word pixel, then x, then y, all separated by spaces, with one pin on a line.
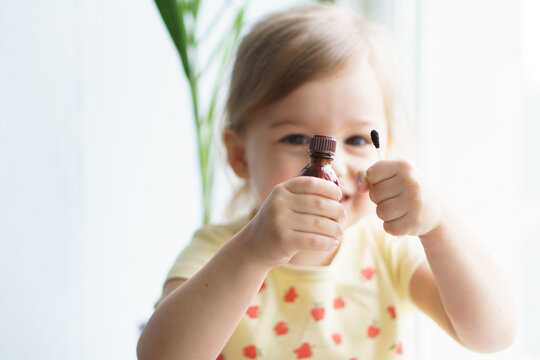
pixel 321 150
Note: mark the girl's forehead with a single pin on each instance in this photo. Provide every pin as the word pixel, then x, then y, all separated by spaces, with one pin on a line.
pixel 351 95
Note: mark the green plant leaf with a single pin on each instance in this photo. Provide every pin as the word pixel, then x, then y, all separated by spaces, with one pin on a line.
pixel 226 48
pixel 218 15
pixel 171 12
pixel 180 18
pixel 196 4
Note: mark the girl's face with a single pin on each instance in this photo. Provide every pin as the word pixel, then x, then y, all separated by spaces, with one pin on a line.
pixel 347 106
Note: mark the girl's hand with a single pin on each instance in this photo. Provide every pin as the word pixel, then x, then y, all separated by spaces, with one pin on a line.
pixel 303 213
pixel 403 201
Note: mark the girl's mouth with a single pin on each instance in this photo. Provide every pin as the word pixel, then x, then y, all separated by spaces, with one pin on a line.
pixel 344 199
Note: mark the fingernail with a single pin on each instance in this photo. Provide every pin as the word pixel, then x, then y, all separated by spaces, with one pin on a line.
pixel 361 181
pixel 359 178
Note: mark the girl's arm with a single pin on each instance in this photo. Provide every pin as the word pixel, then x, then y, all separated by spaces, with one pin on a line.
pixel 196 320
pixel 462 288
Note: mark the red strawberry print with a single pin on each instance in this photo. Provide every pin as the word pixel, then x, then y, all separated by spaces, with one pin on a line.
pixel 304 351
pixel 262 287
pixel 339 303
pixel 250 352
pixel 367 272
pixel 373 331
pixel 318 313
pixel 392 311
pixel 253 311
pixel 291 295
pixel 220 357
pixel 337 338
pixel 281 328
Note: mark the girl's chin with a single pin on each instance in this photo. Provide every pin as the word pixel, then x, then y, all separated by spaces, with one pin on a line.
pixel 353 215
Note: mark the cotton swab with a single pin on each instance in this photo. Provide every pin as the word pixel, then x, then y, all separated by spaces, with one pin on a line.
pixel 375 139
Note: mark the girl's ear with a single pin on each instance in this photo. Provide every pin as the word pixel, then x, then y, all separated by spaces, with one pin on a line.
pixel 236 153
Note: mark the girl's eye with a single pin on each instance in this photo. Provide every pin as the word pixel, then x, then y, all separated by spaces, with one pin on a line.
pixel 295 139
pixel 356 140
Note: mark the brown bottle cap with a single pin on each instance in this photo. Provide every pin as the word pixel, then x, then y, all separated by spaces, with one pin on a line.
pixel 323 144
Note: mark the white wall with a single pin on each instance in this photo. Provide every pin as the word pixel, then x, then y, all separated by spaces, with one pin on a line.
pixel 41 170
pixel 97 193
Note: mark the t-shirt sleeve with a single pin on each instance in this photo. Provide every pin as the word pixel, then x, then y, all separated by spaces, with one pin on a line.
pixel 204 244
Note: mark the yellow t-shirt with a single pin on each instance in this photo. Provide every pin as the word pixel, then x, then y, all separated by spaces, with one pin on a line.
pixel 354 308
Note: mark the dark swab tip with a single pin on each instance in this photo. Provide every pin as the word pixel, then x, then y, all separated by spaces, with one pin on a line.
pixel 375 138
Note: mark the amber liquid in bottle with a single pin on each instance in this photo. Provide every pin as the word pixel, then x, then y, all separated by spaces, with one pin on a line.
pixel 321 149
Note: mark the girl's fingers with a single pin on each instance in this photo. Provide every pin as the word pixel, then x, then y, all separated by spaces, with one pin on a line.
pixel 314 186
pixel 385 190
pixel 392 209
pixel 317 225
pixel 381 170
pixel 400 226
pixel 310 241
pixel 318 205
pixel 387 169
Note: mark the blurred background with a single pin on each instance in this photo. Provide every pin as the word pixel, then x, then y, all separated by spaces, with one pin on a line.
pixel 99 181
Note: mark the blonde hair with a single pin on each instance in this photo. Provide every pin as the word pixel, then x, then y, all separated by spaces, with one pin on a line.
pixel 289 48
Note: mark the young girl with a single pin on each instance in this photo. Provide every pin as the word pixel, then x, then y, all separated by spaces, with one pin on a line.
pixel 311 273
